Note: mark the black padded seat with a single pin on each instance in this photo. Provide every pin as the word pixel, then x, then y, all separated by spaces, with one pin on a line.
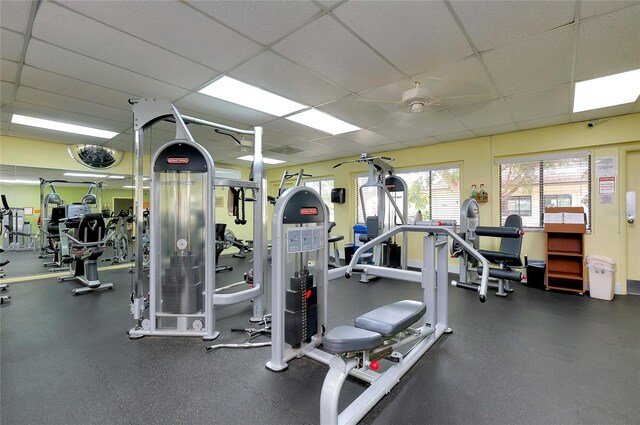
pixel 497 257
pixel 343 339
pixel 390 319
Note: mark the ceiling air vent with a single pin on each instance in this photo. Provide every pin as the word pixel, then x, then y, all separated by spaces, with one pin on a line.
pixel 95 157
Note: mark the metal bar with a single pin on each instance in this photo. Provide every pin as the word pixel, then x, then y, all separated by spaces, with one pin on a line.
pixel 199 121
pixel 236 183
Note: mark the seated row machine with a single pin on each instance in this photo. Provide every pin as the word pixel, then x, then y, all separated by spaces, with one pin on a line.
pixel 87 238
pixel 370 350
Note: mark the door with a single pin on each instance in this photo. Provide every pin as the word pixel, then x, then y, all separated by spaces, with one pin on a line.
pixel 633 229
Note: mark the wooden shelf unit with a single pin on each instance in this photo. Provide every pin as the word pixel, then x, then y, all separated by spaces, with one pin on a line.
pixel 565 253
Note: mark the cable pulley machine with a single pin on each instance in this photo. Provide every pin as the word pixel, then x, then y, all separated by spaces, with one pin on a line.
pixel 182 293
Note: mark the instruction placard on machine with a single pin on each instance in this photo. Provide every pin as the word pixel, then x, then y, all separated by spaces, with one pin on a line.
pixel 304 239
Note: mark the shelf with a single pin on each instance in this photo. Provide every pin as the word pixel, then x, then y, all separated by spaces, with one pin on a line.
pixel 565 254
pixel 569 276
pixel 560 288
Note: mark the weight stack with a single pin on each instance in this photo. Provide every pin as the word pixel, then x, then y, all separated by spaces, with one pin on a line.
pixel 182 288
pixel 301 311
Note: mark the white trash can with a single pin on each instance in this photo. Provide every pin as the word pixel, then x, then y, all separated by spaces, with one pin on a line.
pixel 601 272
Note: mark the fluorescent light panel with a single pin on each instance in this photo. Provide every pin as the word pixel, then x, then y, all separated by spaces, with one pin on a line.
pixel 611 90
pixel 264 159
pixel 322 121
pixel 97 176
pixel 19 181
pixel 133 187
pixel 234 91
pixel 61 126
pixel 116 177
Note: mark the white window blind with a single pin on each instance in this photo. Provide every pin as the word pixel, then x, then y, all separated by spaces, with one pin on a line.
pixel 435 192
pixel 526 188
pixel 323 187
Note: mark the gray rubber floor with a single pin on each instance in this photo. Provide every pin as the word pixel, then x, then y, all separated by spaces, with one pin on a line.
pixel 532 358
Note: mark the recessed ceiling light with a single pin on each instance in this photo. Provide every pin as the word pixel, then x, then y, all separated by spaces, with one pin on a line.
pixel 97 176
pixel 19 181
pixel 116 177
pixel 323 122
pixel 264 158
pixel 133 187
pixel 61 126
pixel 611 90
pixel 243 94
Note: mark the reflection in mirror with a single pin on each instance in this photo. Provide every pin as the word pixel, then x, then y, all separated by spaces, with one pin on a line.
pixel 25 223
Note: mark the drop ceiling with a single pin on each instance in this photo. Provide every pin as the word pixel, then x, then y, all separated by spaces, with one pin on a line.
pixel 503 65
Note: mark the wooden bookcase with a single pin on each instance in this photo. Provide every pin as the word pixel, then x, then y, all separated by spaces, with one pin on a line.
pixel 565 253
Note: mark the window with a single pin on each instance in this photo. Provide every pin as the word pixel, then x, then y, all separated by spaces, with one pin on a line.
pixel 323 187
pixel 436 193
pixel 520 205
pixel 527 187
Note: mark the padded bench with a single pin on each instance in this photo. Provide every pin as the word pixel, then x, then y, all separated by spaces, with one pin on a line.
pixel 371 327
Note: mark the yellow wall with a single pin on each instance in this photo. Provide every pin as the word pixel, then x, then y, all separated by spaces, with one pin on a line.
pixel 476 158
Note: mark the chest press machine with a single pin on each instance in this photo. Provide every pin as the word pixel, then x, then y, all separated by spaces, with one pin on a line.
pixel 384 343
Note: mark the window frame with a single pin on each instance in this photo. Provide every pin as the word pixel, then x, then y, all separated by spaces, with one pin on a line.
pixel 539 164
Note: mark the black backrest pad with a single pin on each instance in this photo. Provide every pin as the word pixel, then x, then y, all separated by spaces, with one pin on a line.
pixel 91 228
pixel 220 228
pixel 512 245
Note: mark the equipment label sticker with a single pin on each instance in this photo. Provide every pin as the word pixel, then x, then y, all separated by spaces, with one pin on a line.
pixel 305 239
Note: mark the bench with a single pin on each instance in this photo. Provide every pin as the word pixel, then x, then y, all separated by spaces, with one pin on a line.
pixel 373 327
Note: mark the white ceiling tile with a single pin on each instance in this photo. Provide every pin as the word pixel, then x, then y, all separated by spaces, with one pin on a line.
pixel 636 107
pixel 542 103
pixel 67 29
pixel 7 91
pixel 61 61
pixel 67 103
pixel 8 70
pixel 599 7
pixel 336 143
pixel 482 115
pixel 391 147
pixel 194 35
pixel 420 25
pixel 213 107
pixel 495 23
pixel 327 48
pixel 420 142
pixel 278 75
pixel 609 44
pixel 435 123
pixel 400 131
pixel 452 137
pixel 11 45
pixel 14 15
pixel 545 122
pixel 55 83
pixel 359 113
pixel 368 138
pixel 533 64
pixel 263 21
pixel 491 131
pixel 291 128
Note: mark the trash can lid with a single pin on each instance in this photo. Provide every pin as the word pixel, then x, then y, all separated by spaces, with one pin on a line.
pixel 360 227
pixel 601 258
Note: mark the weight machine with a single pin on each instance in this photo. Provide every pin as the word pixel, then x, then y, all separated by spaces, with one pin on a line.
pixel 506 258
pixel 389 189
pixel 16 232
pixel 384 343
pixel 182 297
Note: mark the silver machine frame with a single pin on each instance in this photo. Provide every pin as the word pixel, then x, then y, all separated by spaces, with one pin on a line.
pixel 433 279
pixel 148 111
pixel 379 171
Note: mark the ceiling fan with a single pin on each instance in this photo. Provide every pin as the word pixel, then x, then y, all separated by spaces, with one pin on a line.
pixel 418 98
